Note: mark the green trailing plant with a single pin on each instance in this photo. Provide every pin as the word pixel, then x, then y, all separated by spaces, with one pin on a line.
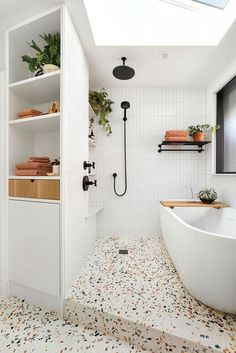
pixel 102 108
pixel 202 128
pixel 207 195
pixel 50 54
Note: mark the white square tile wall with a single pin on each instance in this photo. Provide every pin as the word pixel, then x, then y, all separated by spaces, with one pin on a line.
pixel 152 176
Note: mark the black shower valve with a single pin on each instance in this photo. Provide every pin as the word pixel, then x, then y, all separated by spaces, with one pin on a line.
pixel 87 183
pixel 89 165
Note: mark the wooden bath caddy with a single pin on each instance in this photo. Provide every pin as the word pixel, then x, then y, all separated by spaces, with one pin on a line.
pixel 173 204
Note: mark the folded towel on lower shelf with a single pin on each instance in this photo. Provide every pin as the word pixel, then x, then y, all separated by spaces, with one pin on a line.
pixel 42 159
pixel 175 133
pixel 29 172
pixel 34 165
pixel 176 139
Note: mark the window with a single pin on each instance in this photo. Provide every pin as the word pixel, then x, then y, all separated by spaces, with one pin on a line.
pixel 226 135
pixel 215 3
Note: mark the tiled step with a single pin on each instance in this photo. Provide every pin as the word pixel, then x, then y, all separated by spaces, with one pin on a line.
pixel 25 328
pixel 139 298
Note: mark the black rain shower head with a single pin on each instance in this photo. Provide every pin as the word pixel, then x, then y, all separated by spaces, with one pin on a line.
pixel 123 72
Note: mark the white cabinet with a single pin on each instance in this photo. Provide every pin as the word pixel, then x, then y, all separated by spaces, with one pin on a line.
pixel 34 245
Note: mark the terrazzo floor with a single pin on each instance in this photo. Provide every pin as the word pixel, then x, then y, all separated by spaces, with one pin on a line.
pixel 143 287
pixel 25 328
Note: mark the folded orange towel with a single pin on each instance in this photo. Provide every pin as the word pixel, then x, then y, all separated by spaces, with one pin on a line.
pixel 26 112
pixel 34 165
pixel 176 139
pixel 36 158
pixel 29 172
pixel 175 133
pixel 41 161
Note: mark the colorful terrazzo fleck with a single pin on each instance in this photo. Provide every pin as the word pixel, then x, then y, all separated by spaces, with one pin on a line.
pixel 25 328
pixel 139 298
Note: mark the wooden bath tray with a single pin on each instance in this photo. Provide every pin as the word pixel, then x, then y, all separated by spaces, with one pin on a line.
pixel 173 204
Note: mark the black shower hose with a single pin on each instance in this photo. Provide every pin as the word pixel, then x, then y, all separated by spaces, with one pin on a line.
pixel 125 159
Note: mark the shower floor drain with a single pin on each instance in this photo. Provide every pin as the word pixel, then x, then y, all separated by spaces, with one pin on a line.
pixel 123 251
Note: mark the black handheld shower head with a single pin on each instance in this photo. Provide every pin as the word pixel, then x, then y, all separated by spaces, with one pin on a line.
pixel 125 105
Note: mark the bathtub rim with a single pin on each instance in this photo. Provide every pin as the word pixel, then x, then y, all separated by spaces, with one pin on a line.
pixel 195 228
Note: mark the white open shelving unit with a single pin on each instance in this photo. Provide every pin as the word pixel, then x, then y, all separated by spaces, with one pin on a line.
pixel 28 275
pixel 53 236
pixel 38 135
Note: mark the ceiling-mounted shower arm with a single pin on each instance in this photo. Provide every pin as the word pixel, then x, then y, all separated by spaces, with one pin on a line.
pixel 123 59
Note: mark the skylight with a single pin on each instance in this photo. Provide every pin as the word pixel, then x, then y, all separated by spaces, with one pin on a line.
pixel 159 22
pixel 220 4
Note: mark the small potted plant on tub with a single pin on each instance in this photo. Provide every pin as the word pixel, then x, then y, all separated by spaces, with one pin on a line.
pixel 207 195
pixel 198 132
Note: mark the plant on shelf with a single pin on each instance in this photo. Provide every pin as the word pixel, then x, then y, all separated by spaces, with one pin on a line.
pixel 198 132
pixel 101 106
pixel 47 59
pixel 207 195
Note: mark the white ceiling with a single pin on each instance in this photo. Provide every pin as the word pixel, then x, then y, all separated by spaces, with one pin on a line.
pixel 184 67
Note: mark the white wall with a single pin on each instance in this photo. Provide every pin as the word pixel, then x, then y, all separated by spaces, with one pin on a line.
pixel 152 176
pixel 77 238
pixel 225 185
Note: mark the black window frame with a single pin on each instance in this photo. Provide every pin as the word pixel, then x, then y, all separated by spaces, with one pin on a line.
pixel 220 133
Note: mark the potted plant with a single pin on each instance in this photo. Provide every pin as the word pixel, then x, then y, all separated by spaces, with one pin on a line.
pixel 47 59
pixel 198 132
pixel 56 167
pixel 102 107
pixel 207 195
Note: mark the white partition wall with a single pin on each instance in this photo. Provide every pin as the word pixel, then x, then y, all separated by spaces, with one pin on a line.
pixel 75 151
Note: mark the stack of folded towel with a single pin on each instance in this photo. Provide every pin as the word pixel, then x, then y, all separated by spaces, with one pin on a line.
pixel 35 166
pixel 29 113
pixel 176 135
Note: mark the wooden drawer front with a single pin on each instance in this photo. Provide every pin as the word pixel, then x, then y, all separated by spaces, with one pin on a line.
pixel 33 188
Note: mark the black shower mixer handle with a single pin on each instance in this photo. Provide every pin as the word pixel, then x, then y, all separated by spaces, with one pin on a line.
pixel 87 183
pixel 89 165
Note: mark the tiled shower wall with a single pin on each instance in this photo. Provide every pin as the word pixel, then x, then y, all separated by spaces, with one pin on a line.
pixel 152 176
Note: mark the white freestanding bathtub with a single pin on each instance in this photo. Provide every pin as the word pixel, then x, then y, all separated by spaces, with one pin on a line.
pixel 201 242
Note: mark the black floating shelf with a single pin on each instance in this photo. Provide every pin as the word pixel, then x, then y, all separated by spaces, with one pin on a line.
pixel 199 146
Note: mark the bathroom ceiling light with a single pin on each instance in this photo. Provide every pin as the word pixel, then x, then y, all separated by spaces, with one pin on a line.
pixel 158 22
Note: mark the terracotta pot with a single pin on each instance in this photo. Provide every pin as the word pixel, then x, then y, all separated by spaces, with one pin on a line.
pixel 199 136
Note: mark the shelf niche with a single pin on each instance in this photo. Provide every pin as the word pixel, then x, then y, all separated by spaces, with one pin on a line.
pixel 39 135
pixel 20 36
